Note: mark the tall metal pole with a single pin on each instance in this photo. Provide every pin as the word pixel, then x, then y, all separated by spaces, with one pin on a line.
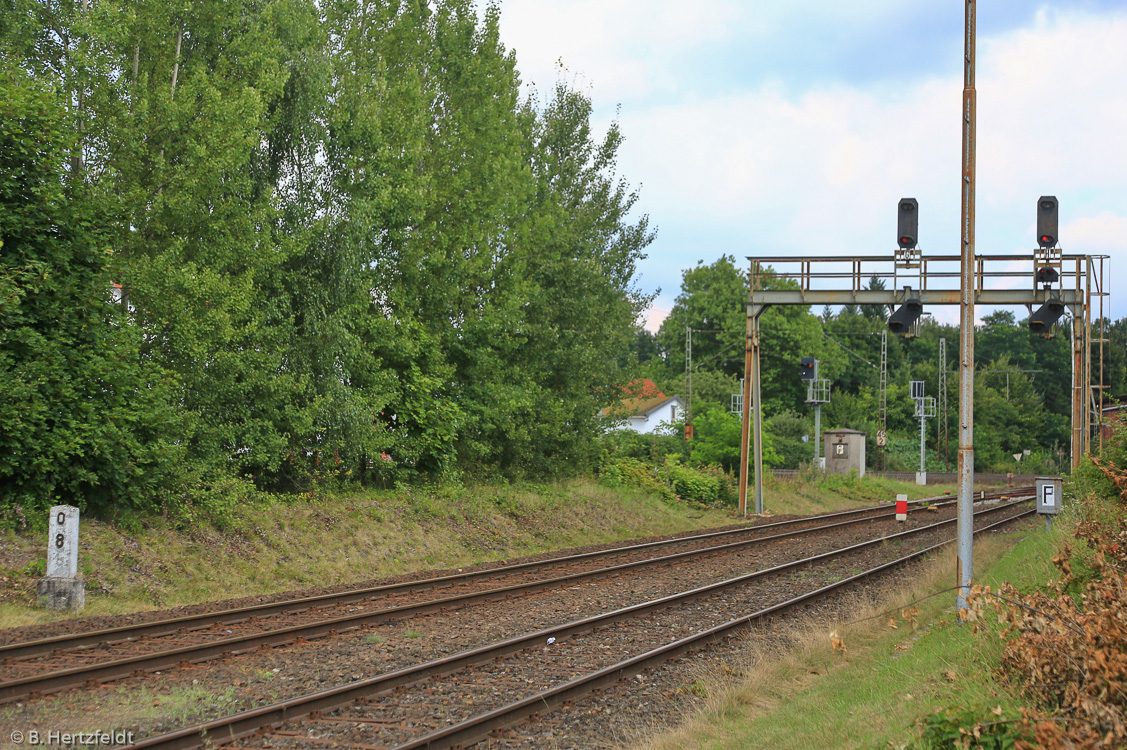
pixel 817 416
pixel 1077 386
pixel 757 410
pixel 1089 402
pixel 941 423
pixel 923 442
pixel 689 381
pixel 745 425
pixel 965 520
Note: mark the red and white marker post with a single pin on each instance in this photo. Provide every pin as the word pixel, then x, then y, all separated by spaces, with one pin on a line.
pixel 901 507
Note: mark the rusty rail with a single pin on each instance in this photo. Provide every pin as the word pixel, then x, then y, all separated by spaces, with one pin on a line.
pixel 55 681
pixel 232 728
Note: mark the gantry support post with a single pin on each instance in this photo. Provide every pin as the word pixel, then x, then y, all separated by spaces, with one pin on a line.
pixel 745 418
pixel 1089 404
pixel 1079 391
pixel 967 287
pixel 757 412
pixel 752 412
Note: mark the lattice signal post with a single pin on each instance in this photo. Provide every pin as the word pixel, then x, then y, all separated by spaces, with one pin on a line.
pixel 925 407
pixel 817 281
pixel 817 393
pixel 941 429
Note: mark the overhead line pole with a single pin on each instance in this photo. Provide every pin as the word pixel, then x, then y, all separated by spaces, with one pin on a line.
pixel 689 382
pixel 965 519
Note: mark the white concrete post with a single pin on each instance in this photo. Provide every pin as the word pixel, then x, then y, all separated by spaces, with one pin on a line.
pixel 62 542
pixel 62 587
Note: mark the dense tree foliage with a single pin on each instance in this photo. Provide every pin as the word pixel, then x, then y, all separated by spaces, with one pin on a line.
pixel 346 244
pixel 84 414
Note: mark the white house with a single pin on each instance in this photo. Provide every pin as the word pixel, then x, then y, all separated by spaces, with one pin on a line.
pixel 646 415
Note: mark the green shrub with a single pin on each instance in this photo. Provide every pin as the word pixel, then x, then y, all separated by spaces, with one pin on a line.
pixel 694 486
pixel 727 484
pixel 965 729
pixel 1087 478
pixel 630 472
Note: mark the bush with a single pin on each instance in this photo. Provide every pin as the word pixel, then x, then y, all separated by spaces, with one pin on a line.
pixel 727 484
pixel 965 729
pixel 650 448
pixel 695 486
pixel 630 472
pixel 1088 478
pixel 1067 641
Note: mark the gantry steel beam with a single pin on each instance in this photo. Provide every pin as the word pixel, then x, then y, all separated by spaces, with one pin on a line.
pixel 927 297
pixel 995 282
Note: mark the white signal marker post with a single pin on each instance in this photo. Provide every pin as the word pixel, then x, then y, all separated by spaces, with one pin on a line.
pixel 62 587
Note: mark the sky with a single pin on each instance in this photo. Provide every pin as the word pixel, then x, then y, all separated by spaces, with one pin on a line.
pixel 793 127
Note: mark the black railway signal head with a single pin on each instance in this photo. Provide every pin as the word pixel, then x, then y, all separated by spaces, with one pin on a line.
pixel 1047 275
pixel 907 223
pixel 1042 321
pixel 806 368
pixel 1047 221
pixel 901 320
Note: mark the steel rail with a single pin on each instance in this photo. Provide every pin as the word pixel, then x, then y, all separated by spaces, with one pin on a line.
pixel 24 649
pixel 231 728
pixel 55 681
pixel 473 730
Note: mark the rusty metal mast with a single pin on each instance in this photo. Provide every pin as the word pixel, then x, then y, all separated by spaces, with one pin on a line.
pixel 965 520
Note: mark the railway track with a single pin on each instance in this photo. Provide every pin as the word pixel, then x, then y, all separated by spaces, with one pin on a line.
pixel 440 703
pixel 79 659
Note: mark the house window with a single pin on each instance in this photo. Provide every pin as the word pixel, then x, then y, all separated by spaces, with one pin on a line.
pixel 673 412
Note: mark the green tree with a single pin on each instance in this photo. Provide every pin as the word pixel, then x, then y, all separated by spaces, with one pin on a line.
pixel 787 430
pixel 1005 423
pixel 716 440
pixel 85 418
pixel 1000 336
pixel 344 233
pixel 712 301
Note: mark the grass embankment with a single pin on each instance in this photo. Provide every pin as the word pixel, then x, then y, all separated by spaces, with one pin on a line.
pixel 349 537
pixel 803 495
pixel 335 539
pixel 876 693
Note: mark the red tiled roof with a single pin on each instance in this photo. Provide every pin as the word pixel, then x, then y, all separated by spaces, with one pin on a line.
pixel 637 407
pixel 641 389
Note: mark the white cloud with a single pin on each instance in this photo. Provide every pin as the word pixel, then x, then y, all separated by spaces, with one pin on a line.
pixel 1053 108
pixel 1102 234
pixel 626 49
pixel 777 169
pixel 656 314
pixel 820 171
